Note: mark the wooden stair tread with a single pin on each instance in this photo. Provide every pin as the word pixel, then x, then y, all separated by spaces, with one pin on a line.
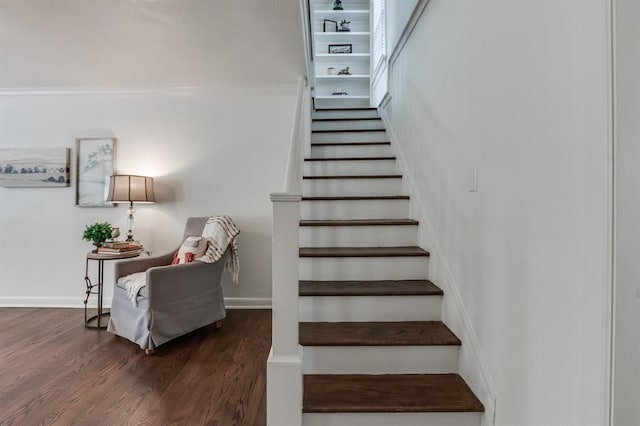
pixel 359 222
pixel 370 288
pixel 357 198
pixel 348 130
pixel 353 177
pixel 351 159
pixel 362 251
pixel 347 109
pixel 406 333
pixel 316 144
pixel 390 393
pixel 346 118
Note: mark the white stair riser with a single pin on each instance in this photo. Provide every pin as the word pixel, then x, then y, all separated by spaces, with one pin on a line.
pixel 373 136
pixel 346 114
pixel 342 102
pixel 358 236
pixel 347 125
pixel 379 359
pixel 363 268
pixel 354 209
pixel 369 308
pixel 336 151
pixel 341 168
pixel 345 187
pixel 390 419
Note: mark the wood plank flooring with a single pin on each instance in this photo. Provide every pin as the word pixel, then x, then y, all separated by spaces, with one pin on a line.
pixel 54 371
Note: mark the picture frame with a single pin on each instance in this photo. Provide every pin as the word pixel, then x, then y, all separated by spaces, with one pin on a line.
pixel 95 163
pixel 324 26
pixel 340 49
pixel 34 167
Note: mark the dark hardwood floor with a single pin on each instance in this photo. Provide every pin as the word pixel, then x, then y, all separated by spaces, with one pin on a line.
pixel 54 371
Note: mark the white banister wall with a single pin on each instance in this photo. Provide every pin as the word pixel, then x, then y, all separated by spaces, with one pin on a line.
pixel 293 176
pixel 522 258
pixel 284 366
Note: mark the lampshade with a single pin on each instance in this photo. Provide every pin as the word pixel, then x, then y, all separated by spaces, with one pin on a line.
pixel 131 189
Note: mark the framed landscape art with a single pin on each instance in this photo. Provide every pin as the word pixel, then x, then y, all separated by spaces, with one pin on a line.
pixel 34 167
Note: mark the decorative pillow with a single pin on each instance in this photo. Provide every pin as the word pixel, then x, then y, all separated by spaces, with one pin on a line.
pixel 192 248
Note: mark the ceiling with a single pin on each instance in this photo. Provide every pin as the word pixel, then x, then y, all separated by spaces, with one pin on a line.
pixel 149 43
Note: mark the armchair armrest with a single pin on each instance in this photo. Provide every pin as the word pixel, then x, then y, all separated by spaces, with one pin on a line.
pixel 167 283
pixel 140 264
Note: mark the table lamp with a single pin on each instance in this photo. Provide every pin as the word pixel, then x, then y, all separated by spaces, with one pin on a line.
pixel 130 189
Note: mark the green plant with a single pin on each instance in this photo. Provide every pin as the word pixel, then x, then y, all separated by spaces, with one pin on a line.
pixel 98 232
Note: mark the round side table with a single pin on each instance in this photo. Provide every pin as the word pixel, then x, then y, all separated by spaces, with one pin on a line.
pixel 95 320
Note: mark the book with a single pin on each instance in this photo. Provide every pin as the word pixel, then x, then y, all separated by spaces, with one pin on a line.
pixel 116 244
pixel 129 253
pixel 118 250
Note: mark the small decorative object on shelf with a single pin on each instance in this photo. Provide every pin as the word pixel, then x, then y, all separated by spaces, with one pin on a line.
pixel 331 71
pixel 343 26
pixel 324 26
pixel 115 233
pixel 344 71
pixel 337 5
pixel 97 233
pixel 339 92
pixel 340 48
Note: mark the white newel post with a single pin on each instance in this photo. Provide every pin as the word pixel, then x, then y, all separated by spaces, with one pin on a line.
pixel 284 367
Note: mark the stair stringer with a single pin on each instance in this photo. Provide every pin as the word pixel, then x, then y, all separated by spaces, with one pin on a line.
pixel 472 364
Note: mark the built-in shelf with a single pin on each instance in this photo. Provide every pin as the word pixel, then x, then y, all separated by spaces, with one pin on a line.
pixel 341 57
pixel 347 34
pixel 343 77
pixel 357 84
pixel 335 97
pixel 354 12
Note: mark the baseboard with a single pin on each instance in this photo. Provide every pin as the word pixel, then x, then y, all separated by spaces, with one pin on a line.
pixel 472 363
pixel 48 302
pixel 76 302
pixel 247 302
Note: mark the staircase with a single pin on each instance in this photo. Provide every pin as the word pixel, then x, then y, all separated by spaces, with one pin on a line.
pixel 375 352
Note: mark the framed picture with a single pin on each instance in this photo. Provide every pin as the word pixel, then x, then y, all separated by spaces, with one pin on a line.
pixel 340 48
pixel 95 163
pixel 34 167
pixel 324 26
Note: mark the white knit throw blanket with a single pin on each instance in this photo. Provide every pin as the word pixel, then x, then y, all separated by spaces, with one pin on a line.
pixel 221 232
pixel 134 283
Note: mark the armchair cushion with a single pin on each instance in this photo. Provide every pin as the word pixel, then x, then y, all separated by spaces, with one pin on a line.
pixel 192 248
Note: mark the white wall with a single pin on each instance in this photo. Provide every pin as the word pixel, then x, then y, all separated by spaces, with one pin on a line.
pixel 398 13
pixel 212 151
pixel 149 43
pixel 626 409
pixel 519 89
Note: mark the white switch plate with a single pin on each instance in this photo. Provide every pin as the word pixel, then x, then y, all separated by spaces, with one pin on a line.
pixel 472 179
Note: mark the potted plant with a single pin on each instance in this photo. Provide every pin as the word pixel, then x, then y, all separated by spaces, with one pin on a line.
pixel 337 5
pixel 343 25
pixel 97 233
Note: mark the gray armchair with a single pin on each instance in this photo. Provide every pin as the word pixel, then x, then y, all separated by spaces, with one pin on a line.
pixel 176 300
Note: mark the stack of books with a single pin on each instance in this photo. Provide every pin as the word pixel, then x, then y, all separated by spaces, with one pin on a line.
pixel 118 247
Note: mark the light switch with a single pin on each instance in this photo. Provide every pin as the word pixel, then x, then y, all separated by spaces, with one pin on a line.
pixel 472 179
